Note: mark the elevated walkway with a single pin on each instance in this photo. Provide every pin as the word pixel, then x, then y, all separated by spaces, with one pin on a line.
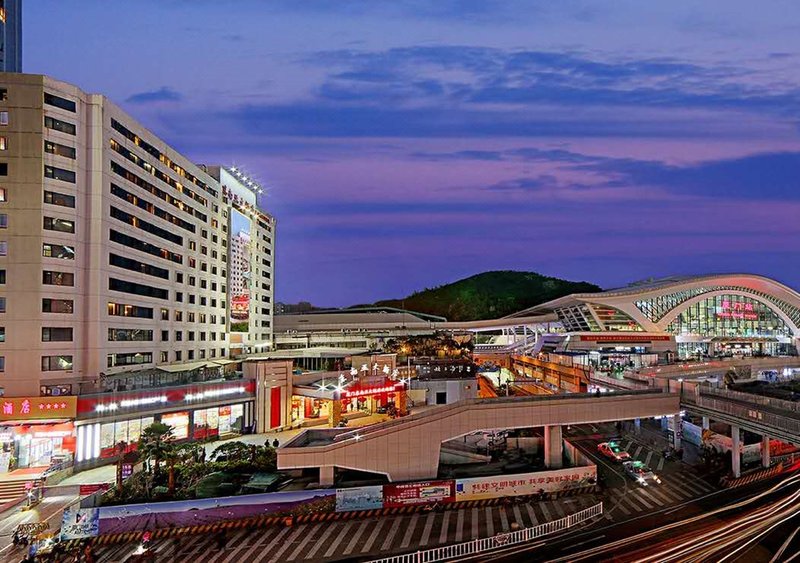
pixel 408 448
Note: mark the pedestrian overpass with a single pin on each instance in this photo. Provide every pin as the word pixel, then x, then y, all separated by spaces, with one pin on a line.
pixel 408 448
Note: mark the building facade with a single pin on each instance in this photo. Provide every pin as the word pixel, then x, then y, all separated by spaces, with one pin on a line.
pixel 701 316
pixel 10 35
pixel 117 253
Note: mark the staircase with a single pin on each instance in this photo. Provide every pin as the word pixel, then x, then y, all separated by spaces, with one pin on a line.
pixel 11 490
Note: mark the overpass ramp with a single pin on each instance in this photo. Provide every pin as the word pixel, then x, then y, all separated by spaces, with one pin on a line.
pixel 408 448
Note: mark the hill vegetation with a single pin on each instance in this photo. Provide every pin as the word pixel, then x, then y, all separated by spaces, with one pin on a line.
pixel 489 295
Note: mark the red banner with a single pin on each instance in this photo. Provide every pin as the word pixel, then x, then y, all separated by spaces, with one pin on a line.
pixel 84 490
pixel 404 494
pixel 625 338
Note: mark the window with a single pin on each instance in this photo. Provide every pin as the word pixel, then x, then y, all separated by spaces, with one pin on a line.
pixel 122 310
pixel 129 359
pixel 164 357
pixel 164 335
pixel 53 123
pixel 190 355
pixel 3 248
pixel 3 368
pixel 191 336
pixel 190 317
pixel 59 102
pixel 191 298
pixel 63 200
pixel 192 245
pixel 178 277
pixel 145 226
pixel 178 355
pixel 2 334
pixel 4 169
pixel 178 336
pixel 61 251
pixel 179 296
pixel 3 94
pixel 3 143
pixel 51 334
pixel 164 314
pixel 59 174
pixel 178 316
pixel 59 225
pixel 136 266
pixel 129 335
pixel 59 150
pixel 3 118
pixel 202 354
pixel 56 363
pixel 3 195
pixel 137 289
pixel 2 304
pixel 3 221
pixel 138 244
pixel 57 306
pixel 58 278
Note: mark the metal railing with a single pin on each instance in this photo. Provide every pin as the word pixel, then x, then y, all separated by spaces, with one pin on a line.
pixel 744 412
pixel 474 547
pixel 625 383
pixel 772 402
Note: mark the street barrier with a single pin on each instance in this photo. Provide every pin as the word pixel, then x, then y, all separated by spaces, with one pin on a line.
pixel 474 547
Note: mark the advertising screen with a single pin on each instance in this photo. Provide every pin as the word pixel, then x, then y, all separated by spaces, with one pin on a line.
pixel 396 495
pixel 239 272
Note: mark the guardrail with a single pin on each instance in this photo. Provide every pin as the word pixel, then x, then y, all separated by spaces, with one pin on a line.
pixel 625 383
pixel 474 547
pixel 751 398
pixel 744 412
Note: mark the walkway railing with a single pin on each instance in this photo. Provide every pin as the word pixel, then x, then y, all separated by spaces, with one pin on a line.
pixel 775 403
pixel 746 413
pixel 482 545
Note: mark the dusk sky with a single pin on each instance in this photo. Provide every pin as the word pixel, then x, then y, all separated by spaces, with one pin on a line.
pixel 409 143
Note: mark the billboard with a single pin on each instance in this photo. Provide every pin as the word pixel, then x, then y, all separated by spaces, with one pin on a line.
pixel 239 274
pixel 404 494
pixel 524 484
pixel 359 498
pixel 80 523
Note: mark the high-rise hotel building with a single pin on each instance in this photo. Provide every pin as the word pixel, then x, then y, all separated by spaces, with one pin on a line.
pixel 124 268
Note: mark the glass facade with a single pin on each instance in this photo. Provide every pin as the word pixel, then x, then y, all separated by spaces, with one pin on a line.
pixel 614 319
pixel 729 316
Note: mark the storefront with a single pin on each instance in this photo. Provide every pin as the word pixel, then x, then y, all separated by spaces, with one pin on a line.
pixel 320 403
pixel 111 424
pixel 36 432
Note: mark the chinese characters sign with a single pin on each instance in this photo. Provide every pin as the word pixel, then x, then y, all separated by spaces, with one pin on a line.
pixel 737 310
pixel 403 494
pixel 524 484
pixel 24 408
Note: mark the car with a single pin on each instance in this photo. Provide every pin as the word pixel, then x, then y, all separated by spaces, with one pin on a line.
pixel 640 473
pixel 614 451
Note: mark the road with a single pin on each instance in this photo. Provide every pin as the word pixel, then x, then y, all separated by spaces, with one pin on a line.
pixel 49 510
pixel 745 530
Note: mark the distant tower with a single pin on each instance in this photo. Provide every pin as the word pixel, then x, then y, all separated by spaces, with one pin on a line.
pixel 11 35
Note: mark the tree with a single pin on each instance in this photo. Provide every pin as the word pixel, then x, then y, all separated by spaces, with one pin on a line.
pixel 154 444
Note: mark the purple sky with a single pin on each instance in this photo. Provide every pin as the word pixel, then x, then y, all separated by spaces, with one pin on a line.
pixel 409 143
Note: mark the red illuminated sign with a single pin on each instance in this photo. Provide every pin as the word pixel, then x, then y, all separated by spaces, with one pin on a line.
pixel 737 310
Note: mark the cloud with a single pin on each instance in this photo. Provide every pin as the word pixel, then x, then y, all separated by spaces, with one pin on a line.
pixel 163 94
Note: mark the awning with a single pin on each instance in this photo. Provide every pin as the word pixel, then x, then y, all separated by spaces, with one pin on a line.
pixel 223 362
pixel 189 366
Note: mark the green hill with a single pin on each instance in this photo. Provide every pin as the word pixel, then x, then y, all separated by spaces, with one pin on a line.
pixel 489 295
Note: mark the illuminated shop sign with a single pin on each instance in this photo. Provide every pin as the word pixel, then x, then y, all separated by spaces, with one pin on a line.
pixel 737 310
pixel 213 393
pixel 371 391
pixel 25 408
pixel 132 403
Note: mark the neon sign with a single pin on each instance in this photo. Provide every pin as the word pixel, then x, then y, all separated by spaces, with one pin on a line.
pixel 36 407
pixel 737 310
pixel 372 391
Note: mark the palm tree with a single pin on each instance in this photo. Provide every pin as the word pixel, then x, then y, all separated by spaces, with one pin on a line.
pixel 155 443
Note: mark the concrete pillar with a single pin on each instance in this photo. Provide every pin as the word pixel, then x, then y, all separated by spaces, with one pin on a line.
pixel 706 422
pixel 326 475
pixel 677 431
pixel 736 456
pixel 553 447
pixel 765 451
